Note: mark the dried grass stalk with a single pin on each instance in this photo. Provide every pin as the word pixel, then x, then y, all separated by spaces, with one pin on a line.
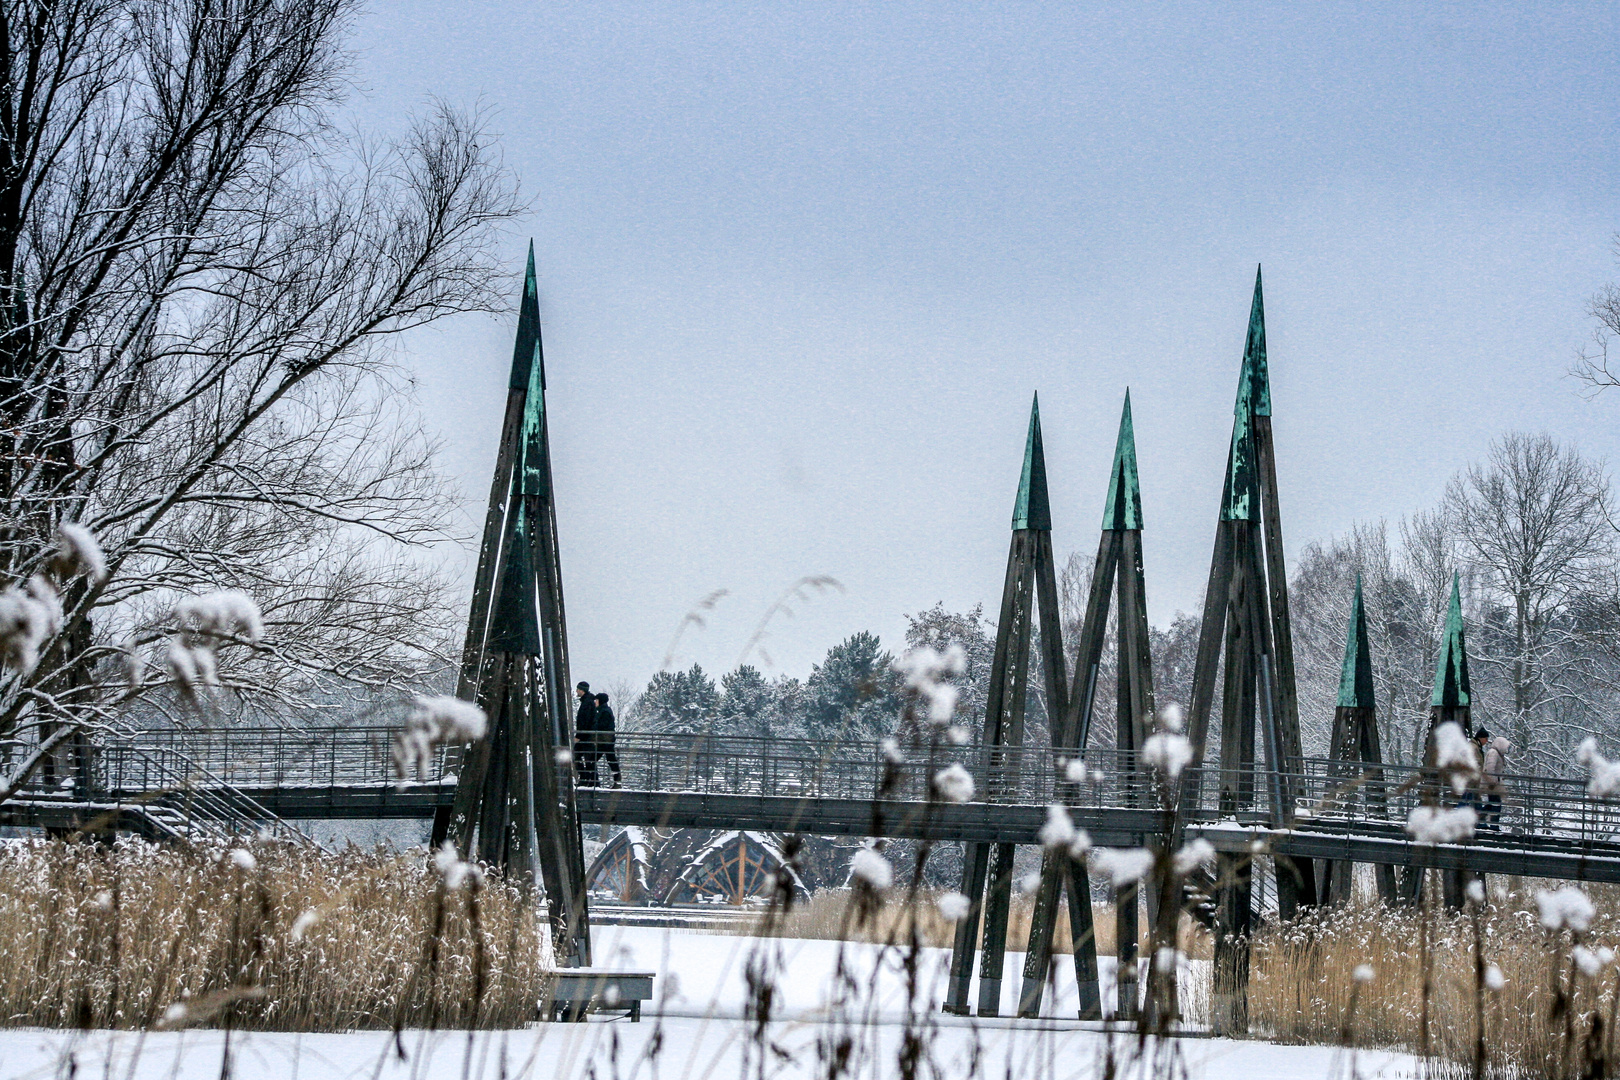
pixel 136 935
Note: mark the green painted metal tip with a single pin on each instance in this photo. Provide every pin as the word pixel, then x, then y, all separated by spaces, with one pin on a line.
pixel 1240 498
pixel 533 474
pixel 1033 509
pixel 526 353
pixel 514 624
pixel 1356 677
pixel 1124 507
pixel 1451 689
pixel 1254 384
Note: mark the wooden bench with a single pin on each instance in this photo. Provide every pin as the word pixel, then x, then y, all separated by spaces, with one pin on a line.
pixel 576 991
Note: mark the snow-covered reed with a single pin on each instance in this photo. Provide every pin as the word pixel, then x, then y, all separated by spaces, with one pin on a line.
pixel 824 917
pixel 258 936
pixel 1308 983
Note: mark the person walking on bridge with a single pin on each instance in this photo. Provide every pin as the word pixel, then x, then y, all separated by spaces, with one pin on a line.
pixel 585 736
pixel 1492 772
pixel 604 740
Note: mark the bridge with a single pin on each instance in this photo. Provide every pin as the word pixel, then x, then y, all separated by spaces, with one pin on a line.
pixel 245 780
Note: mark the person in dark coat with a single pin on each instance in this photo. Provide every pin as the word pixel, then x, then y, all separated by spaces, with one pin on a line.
pixel 604 738
pixel 585 736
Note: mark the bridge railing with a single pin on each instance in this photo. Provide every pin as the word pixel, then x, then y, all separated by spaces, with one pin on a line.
pixel 1373 795
pixel 256 758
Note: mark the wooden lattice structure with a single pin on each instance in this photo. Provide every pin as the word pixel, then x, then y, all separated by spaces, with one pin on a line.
pixel 1031 584
pixel 624 866
pixel 514 804
pixel 684 866
pixel 1118 571
pixel 1246 621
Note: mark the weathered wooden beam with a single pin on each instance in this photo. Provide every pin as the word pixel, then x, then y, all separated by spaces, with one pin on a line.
pixel 1009 732
pixel 1212 631
pixel 1229 1000
pixel 975 869
pixel 1043 916
pixel 976 863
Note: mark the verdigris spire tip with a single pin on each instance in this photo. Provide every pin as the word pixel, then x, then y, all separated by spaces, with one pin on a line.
pixel 526 349
pixel 1033 508
pixel 1451 687
pixel 1123 510
pixel 1356 677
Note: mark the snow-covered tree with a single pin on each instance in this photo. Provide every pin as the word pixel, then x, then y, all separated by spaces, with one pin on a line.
pixel 939 630
pixel 1534 522
pixel 853 693
pixel 680 703
pixel 200 275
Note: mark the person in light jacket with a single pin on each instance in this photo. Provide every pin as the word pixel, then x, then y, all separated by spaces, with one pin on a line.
pixel 1492 772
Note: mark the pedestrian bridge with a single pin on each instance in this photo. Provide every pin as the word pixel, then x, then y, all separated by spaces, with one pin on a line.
pixel 178 782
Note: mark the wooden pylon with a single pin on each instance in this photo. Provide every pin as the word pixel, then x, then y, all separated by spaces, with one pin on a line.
pixel 1118 570
pixel 1355 744
pixel 1451 702
pixel 514 801
pixel 1246 618
pixel 1030 588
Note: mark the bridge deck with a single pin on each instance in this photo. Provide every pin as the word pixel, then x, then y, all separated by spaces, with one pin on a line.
pixel 1552 828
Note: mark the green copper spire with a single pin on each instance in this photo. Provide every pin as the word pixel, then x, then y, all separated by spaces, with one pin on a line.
pixel 1033 510
pixel 1451 672
pixel 1255 382
pixel 529 375
pixel 1240 500
pixel 526 351
pixel 1356 678
pixel 532 450
pixel 514 625
pixel 1124 507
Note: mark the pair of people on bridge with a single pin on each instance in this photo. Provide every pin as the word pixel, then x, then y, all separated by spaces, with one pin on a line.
pixel 593 737
pixel 1492 766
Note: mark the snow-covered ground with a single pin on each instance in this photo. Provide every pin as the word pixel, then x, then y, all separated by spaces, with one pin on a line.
pixel 697 1027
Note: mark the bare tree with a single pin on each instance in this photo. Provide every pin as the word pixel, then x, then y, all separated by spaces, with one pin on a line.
pixel 1592 365
pixel 1404 590
pixel 199 278
pixel 1534 521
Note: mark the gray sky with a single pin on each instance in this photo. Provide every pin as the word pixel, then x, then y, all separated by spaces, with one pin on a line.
pixel 803 265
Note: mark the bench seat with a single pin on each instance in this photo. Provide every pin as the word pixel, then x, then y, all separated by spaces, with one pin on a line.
pixel 575 991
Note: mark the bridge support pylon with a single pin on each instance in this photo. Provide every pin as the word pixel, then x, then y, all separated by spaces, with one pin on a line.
pixel 1030 586
pixel 1246 617
pixel 514 803
pixel 1451 702
pixel 1118 568
pixel 1356 752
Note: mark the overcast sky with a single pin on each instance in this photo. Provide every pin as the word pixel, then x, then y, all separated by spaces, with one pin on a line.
pixel 802 267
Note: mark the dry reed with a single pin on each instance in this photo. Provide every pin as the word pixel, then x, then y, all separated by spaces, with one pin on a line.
pixel 1303 982
pixel 119 936
pixel 822 917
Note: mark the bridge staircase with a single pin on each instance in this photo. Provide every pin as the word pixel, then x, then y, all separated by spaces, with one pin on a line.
pixel 152 788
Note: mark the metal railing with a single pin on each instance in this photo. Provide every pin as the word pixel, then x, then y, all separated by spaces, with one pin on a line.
pixel 180 795
pixel 214 768
pixel 261 758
